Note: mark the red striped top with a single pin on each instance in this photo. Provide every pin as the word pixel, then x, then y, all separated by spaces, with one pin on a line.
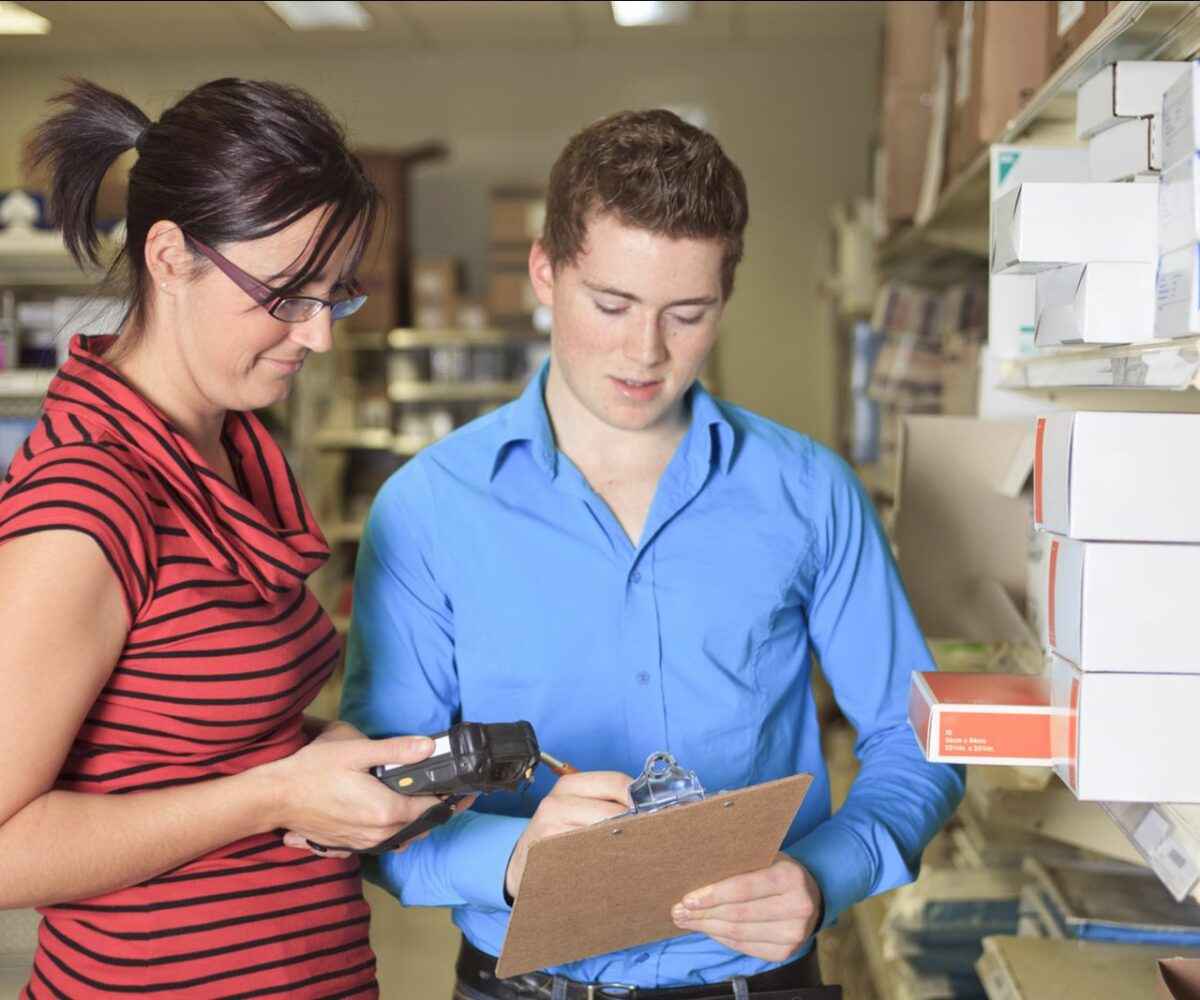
pixel 225 649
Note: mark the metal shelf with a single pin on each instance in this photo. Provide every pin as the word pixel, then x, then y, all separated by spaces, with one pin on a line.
pixel 25 383
pixel 1159 364
pixel 1168 838
pixel 366 438
pixel 958 225
pixel 372 439
pixel 406 339
pixel 39 260
pixel 452 392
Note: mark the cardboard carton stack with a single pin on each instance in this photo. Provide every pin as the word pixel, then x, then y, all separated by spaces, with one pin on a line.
pixel 1117 494
pixel 517 216
pixel 436 290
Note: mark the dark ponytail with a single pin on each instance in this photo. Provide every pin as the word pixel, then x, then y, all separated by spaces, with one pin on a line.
pixel 79 145
pixel 233 160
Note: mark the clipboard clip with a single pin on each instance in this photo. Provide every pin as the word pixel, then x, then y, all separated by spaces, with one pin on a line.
pixel 662 784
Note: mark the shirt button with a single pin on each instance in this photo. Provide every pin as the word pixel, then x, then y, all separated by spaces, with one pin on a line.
pixel 643 678
pixel 636 576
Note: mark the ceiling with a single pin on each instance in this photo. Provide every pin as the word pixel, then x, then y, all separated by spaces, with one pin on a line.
pixel 97 27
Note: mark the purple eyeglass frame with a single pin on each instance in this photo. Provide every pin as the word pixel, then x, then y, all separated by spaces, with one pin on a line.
pixel 267 298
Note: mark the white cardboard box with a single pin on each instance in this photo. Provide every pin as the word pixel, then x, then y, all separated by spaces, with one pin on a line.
pixel 1177 293
pixel 1012 166
pixel 1123 90
pixel 1012 315
pixel 1125 737
pixel 1125 477
pixel 1098 303
pixel 1011 312
pixel 1129 149
pixel 1043 225
pixel 1120 607
pixel 1180 114
pixel 1178 215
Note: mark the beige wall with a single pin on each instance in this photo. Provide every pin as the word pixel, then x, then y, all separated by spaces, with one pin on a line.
pixel 797 117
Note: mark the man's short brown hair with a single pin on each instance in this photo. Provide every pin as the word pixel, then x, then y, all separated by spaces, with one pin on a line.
pixel 651 170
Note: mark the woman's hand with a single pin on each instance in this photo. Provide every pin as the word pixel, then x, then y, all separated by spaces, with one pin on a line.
pixel 577 800
pixel 324 793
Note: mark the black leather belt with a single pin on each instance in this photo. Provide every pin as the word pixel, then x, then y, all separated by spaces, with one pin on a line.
pixel 798 980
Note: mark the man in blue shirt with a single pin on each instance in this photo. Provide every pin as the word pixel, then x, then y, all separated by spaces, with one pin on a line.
pixel 633 565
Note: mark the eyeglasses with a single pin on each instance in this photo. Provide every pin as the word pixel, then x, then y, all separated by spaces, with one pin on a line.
pixel 289 308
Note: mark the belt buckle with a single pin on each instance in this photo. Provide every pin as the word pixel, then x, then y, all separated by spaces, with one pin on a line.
pixel 605 991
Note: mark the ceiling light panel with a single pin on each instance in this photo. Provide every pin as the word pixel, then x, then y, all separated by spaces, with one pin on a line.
pixel 642 13
pixel 322 16
pixel 18 20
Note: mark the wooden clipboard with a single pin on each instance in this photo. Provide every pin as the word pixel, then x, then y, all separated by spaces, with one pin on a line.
pixel 612 885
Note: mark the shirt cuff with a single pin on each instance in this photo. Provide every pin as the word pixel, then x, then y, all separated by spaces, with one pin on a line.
pixel 840 863
pixel 460 864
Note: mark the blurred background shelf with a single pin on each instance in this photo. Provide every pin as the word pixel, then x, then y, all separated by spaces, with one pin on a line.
pixel 452 392
pixel 956 223
pixel 1161 364
pixel 404 339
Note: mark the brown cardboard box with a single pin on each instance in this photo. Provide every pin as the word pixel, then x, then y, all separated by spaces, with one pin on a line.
pixel 1181 977
pixel 907 34
pixel 1069 26
pixel 436 280
pixel 905 119
pixel 961 543
pixel 905 109
pixel 960 382
pixel 997 70
pixel 510 294
pixel 517 216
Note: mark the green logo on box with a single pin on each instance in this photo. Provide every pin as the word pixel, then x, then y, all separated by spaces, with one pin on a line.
pixel 1004 164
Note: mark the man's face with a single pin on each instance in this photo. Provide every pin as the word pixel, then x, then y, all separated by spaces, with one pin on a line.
pixel 635 317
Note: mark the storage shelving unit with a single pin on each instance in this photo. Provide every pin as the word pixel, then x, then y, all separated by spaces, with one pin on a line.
pixel 953 236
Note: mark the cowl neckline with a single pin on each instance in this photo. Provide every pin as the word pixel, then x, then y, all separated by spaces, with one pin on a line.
pixel 264 534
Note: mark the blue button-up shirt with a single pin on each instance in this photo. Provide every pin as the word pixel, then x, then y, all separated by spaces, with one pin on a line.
pixel 494 584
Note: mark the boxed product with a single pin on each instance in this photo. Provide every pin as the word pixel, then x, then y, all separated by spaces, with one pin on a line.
pixel 517 216
pixel 1097 303
pixel 1178 206
pixel 436 279
pixel 510 294
pixel 906 114
pixel 1177 293
pixel 1041 225
pixel 1180 115
pixel 1129 149
pixel 1127 737
pixel 1012 166
pixel 1121 91
pixel 996 71
pixel 1011 311
pixel 1122 607
pixel 983 718
pixel 1127 477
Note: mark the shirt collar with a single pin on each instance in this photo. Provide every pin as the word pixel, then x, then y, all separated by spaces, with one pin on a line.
pixel 709 441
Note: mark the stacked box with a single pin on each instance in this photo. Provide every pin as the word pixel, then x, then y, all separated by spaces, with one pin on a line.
pixel 516 220
pixel 1116 494
pixel 437 284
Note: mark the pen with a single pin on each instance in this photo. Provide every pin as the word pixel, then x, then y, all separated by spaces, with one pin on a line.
pixel 559 767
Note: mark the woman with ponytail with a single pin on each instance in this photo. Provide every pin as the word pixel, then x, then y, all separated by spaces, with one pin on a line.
pixel 160 643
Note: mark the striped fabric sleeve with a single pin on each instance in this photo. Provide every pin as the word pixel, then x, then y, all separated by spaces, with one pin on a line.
pixel 89 489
